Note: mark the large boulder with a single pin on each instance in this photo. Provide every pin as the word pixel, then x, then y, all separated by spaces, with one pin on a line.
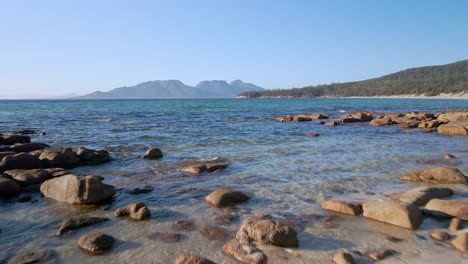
pixel 192 259
pixel 437 175
pixel 93 157
pixel 8 187
pixel 448 208
pixel 395 213
pixel 71 189
pixel 268 232
pixel 60 157
pixel 454 128
pixel 79 222
pixel 244 252
pixel 226 197
pixel 421 195
pixel 14 139
pixel 45 256
pixel 345 207
pixel 135 211
pixel 96 242
pixel 20 161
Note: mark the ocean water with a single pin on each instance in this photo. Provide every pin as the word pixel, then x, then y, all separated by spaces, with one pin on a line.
pixel 286 173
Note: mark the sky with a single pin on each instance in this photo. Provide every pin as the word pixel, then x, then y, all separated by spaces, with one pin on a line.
pixel 63 47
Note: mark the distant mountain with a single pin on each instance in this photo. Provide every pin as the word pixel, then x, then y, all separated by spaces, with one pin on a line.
pixel 175 89
pixel 429 80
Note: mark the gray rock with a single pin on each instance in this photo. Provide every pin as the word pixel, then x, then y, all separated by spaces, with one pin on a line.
pixel 93 157
pixel 60 157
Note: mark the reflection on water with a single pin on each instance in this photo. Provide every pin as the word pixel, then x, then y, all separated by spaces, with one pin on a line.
pixel 286 173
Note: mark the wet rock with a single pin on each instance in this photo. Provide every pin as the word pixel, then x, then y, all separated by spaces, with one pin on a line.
pixel 60 157
pixel 71 189
pixel 183 225
pixel 394 213
pixel 216 167
pixel 446 208
pixel 192 259
pixel 135 211
pixel 343 258
pixel 437 175
pixel 331 123
pixel 308 117
pixel 153 153
pixel 28 177
pixel 351 208
pixel 382 120
pixel 213 233
pixel 20 161
pixel 267 232
pixel 23 199
pixel 194 169
pixel 6 153
pixel 244 252
pixel 226 197
pixel 46 256
pixel 8 188
pixel 165 237
pixel 284 119
pixel 453 128
pixel 138 190
pixel 27 147
pixel 421 195
pixel 361 116
pixel 380 254
pixel 313 135
pixel 449 156
pixel 25 132
pixel 430 124
pixel 79 222
pixel 96 242
pixel 14 139
pixel 440 236
pixel 455 224
pixel 93 157
pixel 461 242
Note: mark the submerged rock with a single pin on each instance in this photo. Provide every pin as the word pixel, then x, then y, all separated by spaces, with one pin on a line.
pixel 421 195
pixel 267 232
pixel 71 189
pixel 27 147
pixel 213 232
pixel 343 258
pixel 165 237
pixel 244 252
pixel 216 167
pixel 437 175
pixel 140 190
pixel 135 211
pixel 226 197
pixel 461 242
pixel 440 236
pixel 8 188
pixel 96 242
pixel 14 139
pixel 93 157
pixel 394 213
pixel 192 259
pixel 60 157
pixel 313 135
pixel 153 153
pixel 380 254
pixel 448 208
pixel 79 222
pixel 331 123
pixel 194 169
pixel 345 207
pixel 46 256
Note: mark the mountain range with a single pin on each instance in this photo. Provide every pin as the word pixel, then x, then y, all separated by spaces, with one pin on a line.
pixel 175 89
pixel 428 80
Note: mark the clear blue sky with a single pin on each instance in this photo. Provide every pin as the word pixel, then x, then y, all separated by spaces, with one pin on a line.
pixel 62 47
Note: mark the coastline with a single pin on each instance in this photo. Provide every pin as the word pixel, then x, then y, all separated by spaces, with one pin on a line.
pixel 457 96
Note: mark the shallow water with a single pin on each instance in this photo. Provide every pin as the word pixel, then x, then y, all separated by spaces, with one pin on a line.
pixel 286 173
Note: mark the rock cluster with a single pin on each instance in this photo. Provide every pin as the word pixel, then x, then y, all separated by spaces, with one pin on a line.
pixel 301 117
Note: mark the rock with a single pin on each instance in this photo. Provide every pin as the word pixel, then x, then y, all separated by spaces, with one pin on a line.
pixel 411 124
pixel 331 123
pixel 313 135
pixel 430 124
pixel 135 211
pixel 244 252
pixel 14 139
pixel 455 224
pixel 96 242
pixel 444 208
pixel 360 116
pixel 25 132
pixel 142 190
pixel 20 161
pixel 351 208
pixel 343 258
pixel 79 222
pixel 380 254
pixel 23 199
pixel 213 232
pixel 60 157
pixel 449 156
pixel 224 219
pixel 153 153
pixel 93 157
pixel 192 259
pixel 454 128
pixel 461 242
pixel 284 119
pixel 6 153
pixel 382 120
pixel 226 197
pixel 8 188
pixel 267 232
pixel 183 225
pixel 195 169
pixel 46 256
pixel 308 117
pixel 394 213
pixel 420 116
pixel 165 237
pixel 440 236
pixel 421 195
pixel 28 177
pixel 28 147
pixel 437 175
pixel 453 117
pixel 71 189
pixel 216 167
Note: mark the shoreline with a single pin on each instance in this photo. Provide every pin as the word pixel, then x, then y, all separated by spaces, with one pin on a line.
pixel 457 96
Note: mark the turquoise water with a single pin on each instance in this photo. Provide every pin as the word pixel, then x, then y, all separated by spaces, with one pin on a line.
pixel 286 173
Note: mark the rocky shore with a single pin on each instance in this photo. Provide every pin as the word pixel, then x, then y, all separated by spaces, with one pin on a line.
pixel 31 167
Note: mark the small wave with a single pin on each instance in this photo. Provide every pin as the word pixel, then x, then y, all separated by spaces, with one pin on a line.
pixel 106 120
